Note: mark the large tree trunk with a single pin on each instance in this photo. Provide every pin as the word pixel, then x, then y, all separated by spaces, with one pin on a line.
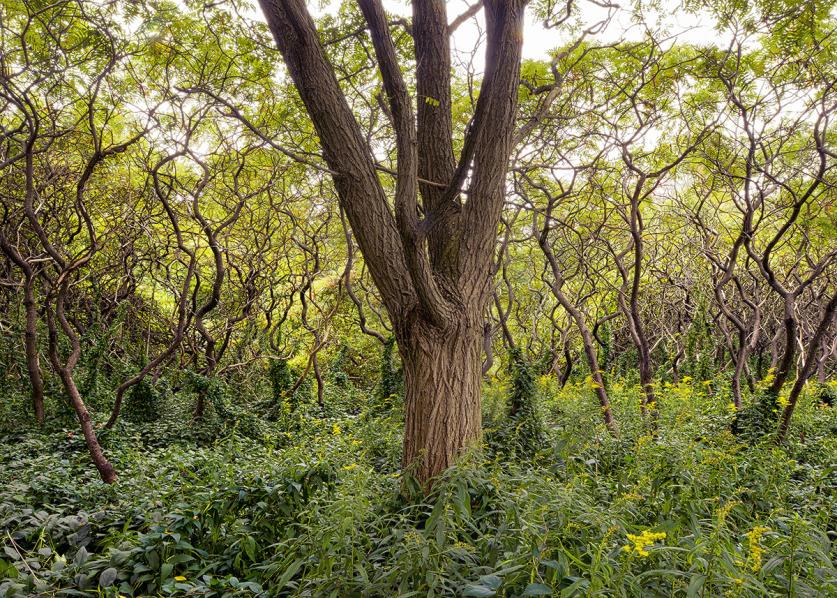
pixel 442 380
pixel 432 263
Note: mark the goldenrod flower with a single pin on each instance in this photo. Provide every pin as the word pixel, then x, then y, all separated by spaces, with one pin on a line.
pixel 756 553
pixel 638 544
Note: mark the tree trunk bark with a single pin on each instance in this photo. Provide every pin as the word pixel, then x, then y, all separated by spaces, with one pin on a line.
pixel 30 335
pixel 106 471
pixel 433 274
pixel 805 372
pixel 790 350
pixel 65 371
pixel 442 382
pixel 30 341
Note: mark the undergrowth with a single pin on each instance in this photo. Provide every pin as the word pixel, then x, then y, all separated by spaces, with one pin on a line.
pixel 244 505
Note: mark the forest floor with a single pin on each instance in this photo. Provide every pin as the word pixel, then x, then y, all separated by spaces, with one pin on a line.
pixel 312 504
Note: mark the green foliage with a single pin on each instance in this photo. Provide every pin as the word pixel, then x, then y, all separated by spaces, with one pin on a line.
pixel 337 370
pixel 145 401
pixel 699 346
pixel 391 384
pixel 521 433
pixel 281 377
pixel 320 511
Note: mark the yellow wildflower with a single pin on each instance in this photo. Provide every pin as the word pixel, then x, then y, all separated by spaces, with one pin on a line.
pixel 725 509
pixel 638 544
pixel 335 429
pixel 768 379
pixel 783 401
pixel 756 549
pixel 731 407
pixel 631 496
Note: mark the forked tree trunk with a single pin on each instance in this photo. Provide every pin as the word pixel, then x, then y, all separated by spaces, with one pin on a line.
pixel 65 372
pixel 442 380
pixel 433 271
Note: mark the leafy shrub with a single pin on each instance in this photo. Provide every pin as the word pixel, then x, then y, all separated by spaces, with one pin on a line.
pixel 520 434
pixel 145 400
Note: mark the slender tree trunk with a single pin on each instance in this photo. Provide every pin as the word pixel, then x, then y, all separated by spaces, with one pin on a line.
pixel 581 323
pixel 646 379
pixel 569 361
pixel 65 372
pixel 30 335
pixel 774 350
pixel 790 350
pixel 805 372
pixel 30 341
pixel 736 380
pixel 592 359
pixel 487 348
pixel 598 380
pixel 827 351
pixel 759 366
pixel 106 471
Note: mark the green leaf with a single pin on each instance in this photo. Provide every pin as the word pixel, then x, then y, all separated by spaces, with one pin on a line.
pixel 478 591
pixel 537 589
pixel 695 584
pixel 491 581
pixel 166 570
pixel 107 577
pixel 289 573
pixel 81 556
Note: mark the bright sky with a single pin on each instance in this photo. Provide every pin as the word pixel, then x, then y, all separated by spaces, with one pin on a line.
pixel 538 41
